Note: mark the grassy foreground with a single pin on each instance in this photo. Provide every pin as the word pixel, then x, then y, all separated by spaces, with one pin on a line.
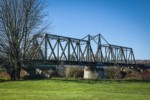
pixel 64 89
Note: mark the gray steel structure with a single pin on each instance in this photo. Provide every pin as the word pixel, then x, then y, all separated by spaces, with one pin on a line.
pixel 89 51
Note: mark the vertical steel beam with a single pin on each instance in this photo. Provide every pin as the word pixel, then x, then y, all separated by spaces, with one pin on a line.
pixel 79 50
pixel 100 44
pixel 69 49
pixel 133 57
pixel 88 48
pixel 98 55
pixel 46 47
pixel 77 44
pixel 58 43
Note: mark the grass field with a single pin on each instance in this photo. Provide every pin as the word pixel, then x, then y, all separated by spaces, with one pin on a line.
pixel 64 89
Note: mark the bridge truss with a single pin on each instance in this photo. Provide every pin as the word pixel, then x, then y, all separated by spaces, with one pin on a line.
pixel 91 50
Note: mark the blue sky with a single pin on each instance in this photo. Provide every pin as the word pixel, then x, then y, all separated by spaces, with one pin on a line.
pixel 121 22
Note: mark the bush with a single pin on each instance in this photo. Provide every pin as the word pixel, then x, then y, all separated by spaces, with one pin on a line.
pixel 145 75
pixel 41 73
pixel 4 75
pixel 60 72
pixel 49 73
pixel 112 73
pixel 132 75
pixel 72 71
pixel 79 73
pixel 69 71
pixel 23 73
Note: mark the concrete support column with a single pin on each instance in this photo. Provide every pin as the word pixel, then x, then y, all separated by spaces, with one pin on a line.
pixel 97 73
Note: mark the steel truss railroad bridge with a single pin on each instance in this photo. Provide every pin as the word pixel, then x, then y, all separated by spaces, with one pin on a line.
pixel 89 51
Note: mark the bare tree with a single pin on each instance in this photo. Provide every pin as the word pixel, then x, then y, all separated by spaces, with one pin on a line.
pixel 19 20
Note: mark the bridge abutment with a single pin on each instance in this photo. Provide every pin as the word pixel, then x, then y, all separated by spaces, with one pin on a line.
pixel 96 73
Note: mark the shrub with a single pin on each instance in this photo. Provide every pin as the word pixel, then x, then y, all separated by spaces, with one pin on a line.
pixel 79 73
pixel 132 75
pixel 145 75
pixel 4 75
pixel 47 73
pixel 60 71
pixel 112 73
pixel 72 71
pixel 69 71
pixel 23 73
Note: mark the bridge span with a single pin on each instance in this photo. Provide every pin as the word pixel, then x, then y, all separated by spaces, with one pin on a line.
pixel 90 51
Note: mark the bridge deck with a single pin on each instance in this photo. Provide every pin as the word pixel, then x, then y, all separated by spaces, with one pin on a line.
pixel 83 63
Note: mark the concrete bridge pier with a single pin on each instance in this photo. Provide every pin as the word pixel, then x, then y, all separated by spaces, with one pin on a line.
pixel 96 73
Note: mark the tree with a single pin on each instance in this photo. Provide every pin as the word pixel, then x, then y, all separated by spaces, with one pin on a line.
pixel 19 20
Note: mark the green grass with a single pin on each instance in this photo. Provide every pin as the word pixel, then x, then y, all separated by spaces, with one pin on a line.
pixel 64 89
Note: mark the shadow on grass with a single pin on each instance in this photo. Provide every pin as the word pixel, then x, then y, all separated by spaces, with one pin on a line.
pixel 59 79
pixel 94 81
pixel 136 80
pixel 37 77
pixel 4 80
pixel 77 80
